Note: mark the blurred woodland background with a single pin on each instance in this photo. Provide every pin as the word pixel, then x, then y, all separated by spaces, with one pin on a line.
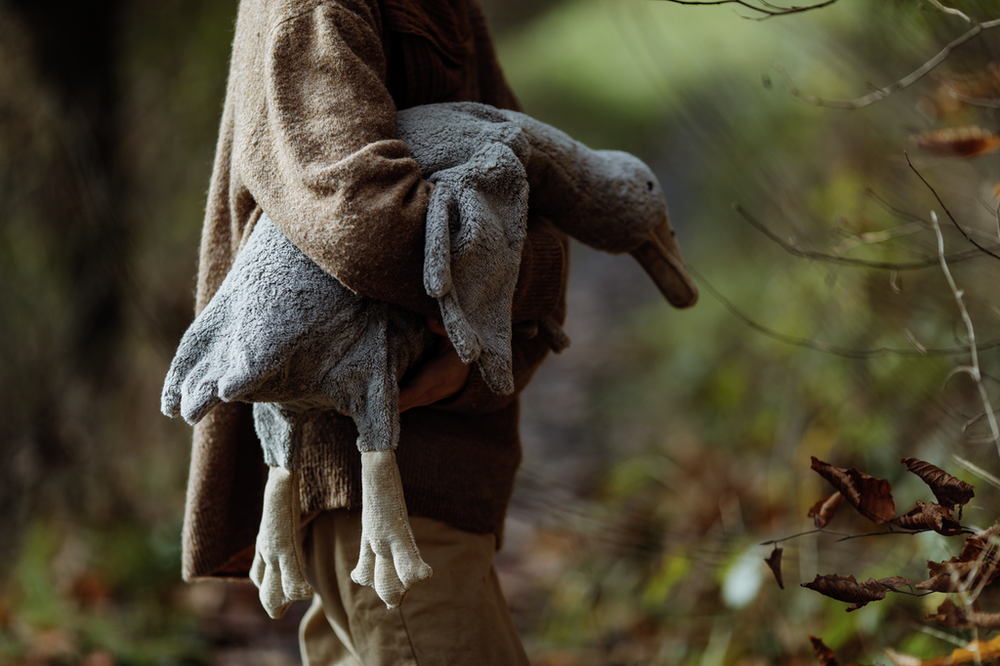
pixel 661 449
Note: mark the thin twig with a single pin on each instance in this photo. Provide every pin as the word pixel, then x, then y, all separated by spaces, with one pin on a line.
pixel 973 369
pixel 949 10
pixel 917 220
pixel 909 594
pixel 977 470
pixel 898 212
pixel 940 635
pixel 947 212
pixel 835 259
pixel 846 352
pixel 913 341
pixel 847 537
pixel 985 102
pixel 965 530
pixel 801 534
pixel 882 93
pixel 875 237
pixel 769 10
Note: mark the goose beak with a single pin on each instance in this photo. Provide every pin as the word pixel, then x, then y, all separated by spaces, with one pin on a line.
pixel 660 256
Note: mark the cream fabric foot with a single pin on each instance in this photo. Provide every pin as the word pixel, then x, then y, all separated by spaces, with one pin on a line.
pixel 389 560
pixel 458 617
pixel 278 568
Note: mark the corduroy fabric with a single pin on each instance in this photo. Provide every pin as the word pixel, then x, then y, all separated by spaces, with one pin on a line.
pixel 457 617
pixel 308 135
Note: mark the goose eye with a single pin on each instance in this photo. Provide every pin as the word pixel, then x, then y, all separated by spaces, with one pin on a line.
pixel 649 186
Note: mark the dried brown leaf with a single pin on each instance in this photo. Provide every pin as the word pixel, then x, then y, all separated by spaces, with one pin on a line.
pixel 949 491
pixel 978 564
pixel 774 564
pixel 982 545
pixel 822 512
pixel 893 582
pixel 985 621
pixel 968 141
pixel 951 616
pixel 981 85
pixel 870 496
pixel 824 655
pixel 847 589
pixel 956 576
pixel 929 516
pixel 955 91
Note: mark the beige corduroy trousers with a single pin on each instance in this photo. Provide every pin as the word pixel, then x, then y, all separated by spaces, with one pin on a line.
pixel 459 617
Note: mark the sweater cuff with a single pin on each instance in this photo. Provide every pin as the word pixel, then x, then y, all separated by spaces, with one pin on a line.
pixel 541 278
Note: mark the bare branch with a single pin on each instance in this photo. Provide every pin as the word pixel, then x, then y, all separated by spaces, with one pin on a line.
pixel 849 537
pixel 818 530
pixel 898 212
pixel 926 225
pixel 913 341
pixel 844 536
pixel 947 212
pixel 882 93
pixel 846 352
pixel 977 470
pixel 765 8
pixel 930 631
pixel 949 10
pixel 877 237
pixel 973 369
pixel 835 259
pixel 987 102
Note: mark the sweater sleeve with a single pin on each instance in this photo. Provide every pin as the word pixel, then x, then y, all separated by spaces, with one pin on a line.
pixel 315 145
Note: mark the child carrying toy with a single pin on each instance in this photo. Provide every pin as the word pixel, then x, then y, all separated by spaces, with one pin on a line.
pixel 309 136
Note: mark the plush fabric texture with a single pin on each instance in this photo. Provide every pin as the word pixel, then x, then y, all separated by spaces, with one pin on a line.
pixel 282 333
pixel 608 199
pixel 475 228
pixel 308 134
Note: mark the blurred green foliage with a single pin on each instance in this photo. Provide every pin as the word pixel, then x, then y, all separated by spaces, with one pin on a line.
pixel 707 424
pixel 662 448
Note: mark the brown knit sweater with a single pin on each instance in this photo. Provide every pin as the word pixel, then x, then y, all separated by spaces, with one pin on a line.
pixel 308 134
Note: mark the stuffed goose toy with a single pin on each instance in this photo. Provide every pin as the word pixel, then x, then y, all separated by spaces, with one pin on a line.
pixel 283 334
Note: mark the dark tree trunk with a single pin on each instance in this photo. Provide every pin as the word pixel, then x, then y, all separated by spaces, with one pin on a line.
pixel 74 49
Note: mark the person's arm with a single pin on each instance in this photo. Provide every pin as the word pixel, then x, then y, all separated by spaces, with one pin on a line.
pixel 315 145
